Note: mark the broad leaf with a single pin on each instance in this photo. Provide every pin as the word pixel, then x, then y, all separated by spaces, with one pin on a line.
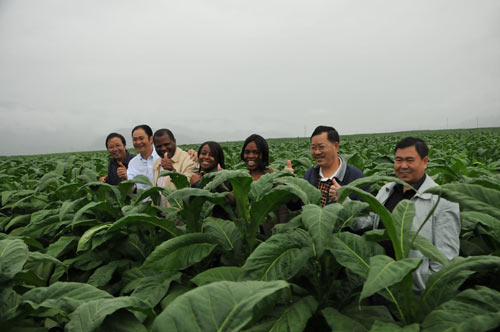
pixel 429 250
pixel 221 273
pixel 341 323
pixel 13 256
pixel 353 252
pixel 472 310
pixel 178 179
pixel 292 317
pixel 219 306
pixel 279 258
pixel 320 223
pixel 85 242
pixel 442 286
pixel 181 252
pixel 90 315
pixel 143 218
pixel 402 217
pixel 385 272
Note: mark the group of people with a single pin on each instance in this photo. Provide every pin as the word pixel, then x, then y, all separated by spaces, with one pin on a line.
pixel 158 152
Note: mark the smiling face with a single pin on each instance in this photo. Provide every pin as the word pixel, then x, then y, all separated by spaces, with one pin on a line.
pixel 408 165
pixel 116 148
pixel 142 143
pixel 164 144
pixel 206 159
pixel 323 151
pixel 252 157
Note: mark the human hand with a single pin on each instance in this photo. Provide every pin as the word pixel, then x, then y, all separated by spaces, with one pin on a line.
pixel 121 171
pixel 193 155
pixel 289 167
pixel 167 163
pixel 219 168
pixel 333 190
pixel 195 178
pixel 103 178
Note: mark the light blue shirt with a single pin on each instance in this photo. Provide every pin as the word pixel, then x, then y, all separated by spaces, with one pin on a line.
pixel 139 165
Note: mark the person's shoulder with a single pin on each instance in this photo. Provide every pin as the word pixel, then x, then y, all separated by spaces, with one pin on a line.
pixel 354 172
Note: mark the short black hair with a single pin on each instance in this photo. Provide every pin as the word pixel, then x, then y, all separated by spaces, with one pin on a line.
pixel 113 135
pixel 261 145
pixel 418 143
pixel 333 135
pixel 216 150
pixel 147 129
pixel 163 132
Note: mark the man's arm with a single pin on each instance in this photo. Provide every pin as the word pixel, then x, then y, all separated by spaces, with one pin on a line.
pixel 446 231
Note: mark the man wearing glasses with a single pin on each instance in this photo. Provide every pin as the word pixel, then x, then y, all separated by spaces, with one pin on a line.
pixel 331 171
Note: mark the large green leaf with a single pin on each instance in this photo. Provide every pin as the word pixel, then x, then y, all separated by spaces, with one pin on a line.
pixel 142 218
pixel 62 245
pixel 353 251
pixel 13 256
pixel 151 286
pixel 121 321
pixel 181 252
pixel 90 315
pixel 442 286
pixel 470 197
pixel 279 258
pixel 9 302
pixel 472 310
pixel 103 274
pixel 392 327
pixel 349 212
pixel 63 296
pixel 385 272
pixel 221 273
pixel 301 188
pixel 402 217
pixel 292 318
pixel 491 223
pixel 320 223
pixel 178 179
pixel 429 250
pixel 225 232
pixel 341 323
pixel 85 242
pixel 219 306
pixel 379 209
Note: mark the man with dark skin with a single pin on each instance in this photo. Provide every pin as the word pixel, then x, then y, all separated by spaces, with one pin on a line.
pixel 172 158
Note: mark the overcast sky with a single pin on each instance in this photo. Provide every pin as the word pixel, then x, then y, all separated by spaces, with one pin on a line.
pixel 72 71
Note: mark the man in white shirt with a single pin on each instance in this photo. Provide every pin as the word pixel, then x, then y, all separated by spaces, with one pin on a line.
pixel 142 164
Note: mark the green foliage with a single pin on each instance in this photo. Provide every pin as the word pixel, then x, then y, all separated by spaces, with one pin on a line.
pixel 80 255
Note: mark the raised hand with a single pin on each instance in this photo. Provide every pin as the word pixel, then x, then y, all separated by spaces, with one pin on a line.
pixel 167 163
pixel 333 190
pixel 289 167
pixel 121 171
pixel 193 155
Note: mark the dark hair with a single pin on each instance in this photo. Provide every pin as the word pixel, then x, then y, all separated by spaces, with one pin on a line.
pixel 147 129
pixel 113 135
pixel 418 143
pixel 216 150
pixel 261 145
pixel 163 132
pixel 333 135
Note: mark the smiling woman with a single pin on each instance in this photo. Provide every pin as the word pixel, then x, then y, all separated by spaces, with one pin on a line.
pixel 117 168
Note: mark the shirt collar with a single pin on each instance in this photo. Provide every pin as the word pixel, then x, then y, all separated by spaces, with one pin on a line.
pixel 339 173
pixel 152 156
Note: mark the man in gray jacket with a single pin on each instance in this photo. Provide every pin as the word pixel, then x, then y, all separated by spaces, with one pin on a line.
pixel 443 227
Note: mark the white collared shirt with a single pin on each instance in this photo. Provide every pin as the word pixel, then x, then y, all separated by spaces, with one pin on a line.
pixel 139 165
pixel 323 178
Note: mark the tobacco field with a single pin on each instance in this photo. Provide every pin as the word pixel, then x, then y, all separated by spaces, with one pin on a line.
pixel 80 255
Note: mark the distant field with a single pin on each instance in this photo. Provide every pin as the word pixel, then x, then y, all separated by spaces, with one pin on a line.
pixel 80 255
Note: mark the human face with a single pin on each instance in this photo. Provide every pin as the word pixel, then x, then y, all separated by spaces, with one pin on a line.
pixel 252 156
pixel 116 148
pixel 142 143
pixel 206 158
pixel 164 144
pixel 323 151
pixel 408 165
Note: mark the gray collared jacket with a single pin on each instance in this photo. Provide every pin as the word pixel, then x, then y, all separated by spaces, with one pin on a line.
pixel 442 229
